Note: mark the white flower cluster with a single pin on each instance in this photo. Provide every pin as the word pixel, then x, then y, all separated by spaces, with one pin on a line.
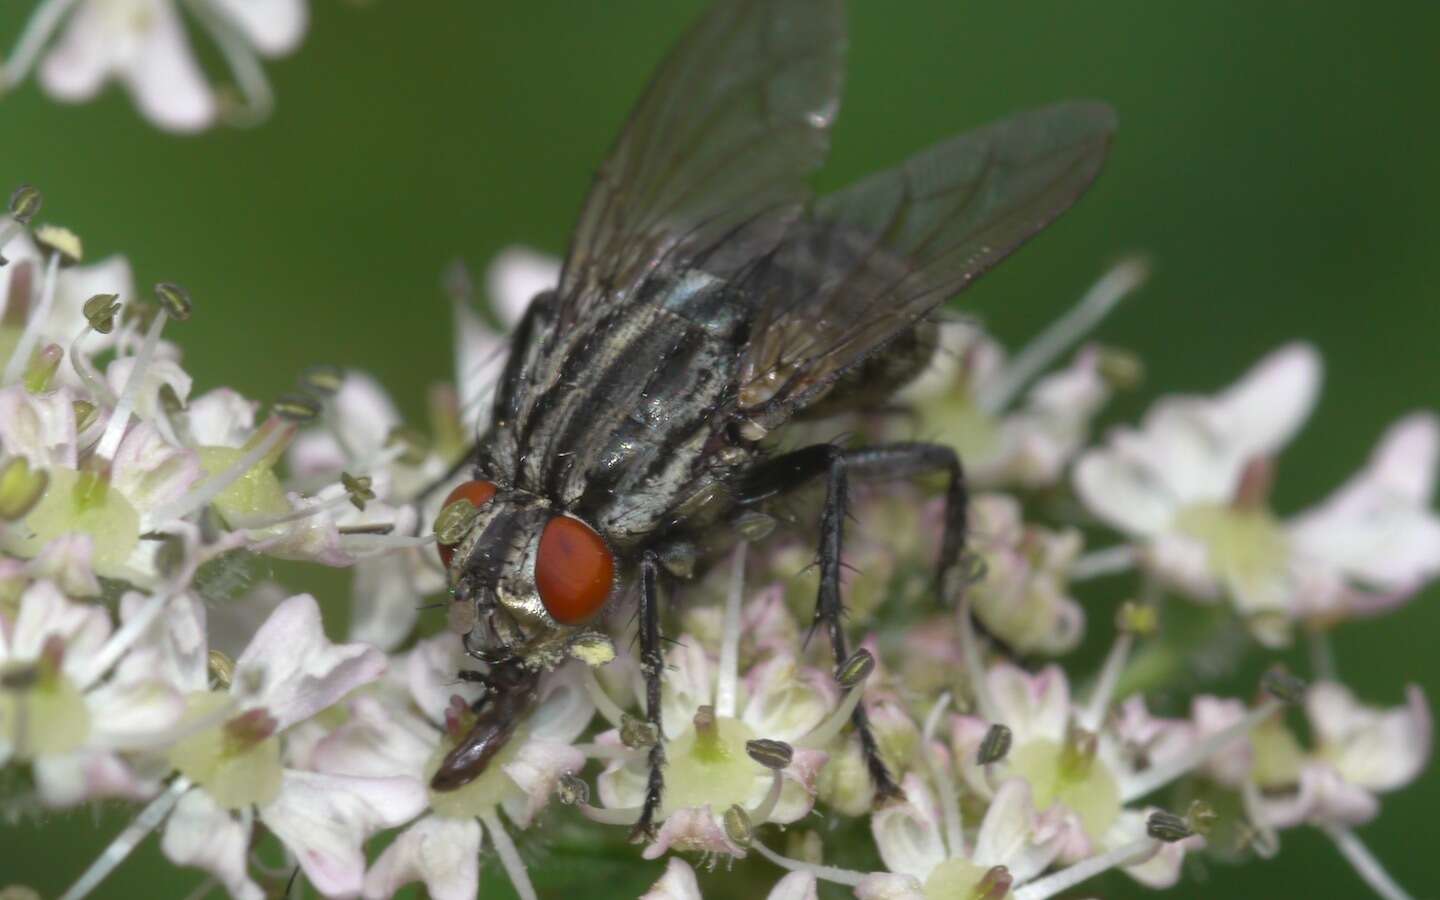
pixel 140 660
pixel 81 45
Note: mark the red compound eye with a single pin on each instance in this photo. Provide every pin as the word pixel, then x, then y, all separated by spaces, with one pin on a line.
pixel 478 493
pixel 574 570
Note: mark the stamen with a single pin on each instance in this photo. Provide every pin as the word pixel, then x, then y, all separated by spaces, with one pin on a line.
pixel 611 751
pixel 729 673
pixel 1365 863
pixel 1063 880
pixel 762 812
pixel 1110 561
pixel 1131 620
pixel 1097 303
pixel 509 856
pixel 944 785
pixel 825 732
pixel 607 707
pixel 615 815
pixel 1156 777
pixel 121 641
pixel 304 512
pixel 94 384
pixel 112 856
pixel 971 651
pixel 35 324
pixel 357 542
pixel 38 31
pixel 120 419
pixel 824 873
pixel 256 99
pixel 1322 655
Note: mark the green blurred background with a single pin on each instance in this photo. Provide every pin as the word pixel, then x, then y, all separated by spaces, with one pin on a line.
pixel 1279 162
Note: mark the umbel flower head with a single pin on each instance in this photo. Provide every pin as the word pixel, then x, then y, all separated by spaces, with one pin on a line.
pixel 142 663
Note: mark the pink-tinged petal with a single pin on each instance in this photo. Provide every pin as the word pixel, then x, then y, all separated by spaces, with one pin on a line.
pixel 966 735
pixel 1378 529
pixel 378 740
pixel 797 794
pixel 689 684
pixel 1183 562
pixel 691 830
pixel 325 819
pixel 40 428
pixel 430 675
pixel 134 714
pixel 174 648
pixel 84 56
pixel 1031 706
pixel 201 834
pixel 1323 796
pixel 1266 407
pixel 443 853
pixel 678 883
pixel 149 471
pixel 221 418
pixel 293 671
pixel 164 78
pixel 1162 869
pixel 66 562
pixel 767 622
pixel 45 613
pixel 158 375
pixel 384 607
pixel 908 834
pixel 1013 835
pixel 787 700
pixel 275 27
pixel 86 775
pixel 515 276
pixel 795 886
pixel 536 770
pixel 1377 749
pixel 565 709
pixel 882 886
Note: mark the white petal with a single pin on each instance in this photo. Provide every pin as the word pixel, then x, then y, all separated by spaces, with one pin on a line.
pixel 275 27
pixel 84 56
pixel 1011 835
pixel 385 609
pixel 443 853
pixel 40 428
pixel 149 471
pixel 565 709
pixel 126 715
pixel 881 886
pixel 689 684
pixel 66 561
pixel 1322 797
pixel 377 740
pixel 221 418
pixel 1379 750
pixel 536 769
pixel 479 359
pixel 515 276
pixel 1031 706
pixel 787 701
pixel 795 886
pixel 292 670
pixel 678 883
pixel 908 834
pixel 164 78
pixel 325 819
pixel 199 833
pixel 87 775
pixel 75 286
pixel 430 675
pixel 365 415
pixel 1378 528
pixel 45 613
pixel 1263 410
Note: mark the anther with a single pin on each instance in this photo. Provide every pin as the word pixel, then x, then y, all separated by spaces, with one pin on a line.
pixel 413 445
pixel 995 746
pixel 1201 816
pixel 359 489
pixel 63 241
pixel 25 202
pixel 737 826
pixel 1168 827
pixel 973 568
pixel 21 487
pixel 1139 619
pixel 85 414
pixel 855 669
pixel 322 380
pixel 174 300
pixel 222 669
pixel 637 733
pixel 100 312
pixel 572 791
pixel 1122 369
pixel 773 755
pixel 297 408
pixel 1281 684
pixel 454 521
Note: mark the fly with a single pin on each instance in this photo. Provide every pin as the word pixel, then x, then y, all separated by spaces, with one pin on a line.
pixel 707 299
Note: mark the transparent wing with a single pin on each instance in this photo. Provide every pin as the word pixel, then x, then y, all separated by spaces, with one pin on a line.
pixel 872 260
pixel 714 158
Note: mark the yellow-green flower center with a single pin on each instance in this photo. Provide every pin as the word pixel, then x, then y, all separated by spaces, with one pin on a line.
pixel 960 879
pixel 42 713
pixel 1246 544
pixel 711 767
pixel 75 502
pixel 256 493
pixel 484 793
pixel 235 766
pixel 1061 774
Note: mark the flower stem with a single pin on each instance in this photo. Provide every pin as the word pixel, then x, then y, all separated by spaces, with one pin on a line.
pixel 1365 864
pixel 1085 869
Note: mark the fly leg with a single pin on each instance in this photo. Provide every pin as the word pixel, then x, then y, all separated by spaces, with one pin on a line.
pixel 652 666
pixel 890 461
